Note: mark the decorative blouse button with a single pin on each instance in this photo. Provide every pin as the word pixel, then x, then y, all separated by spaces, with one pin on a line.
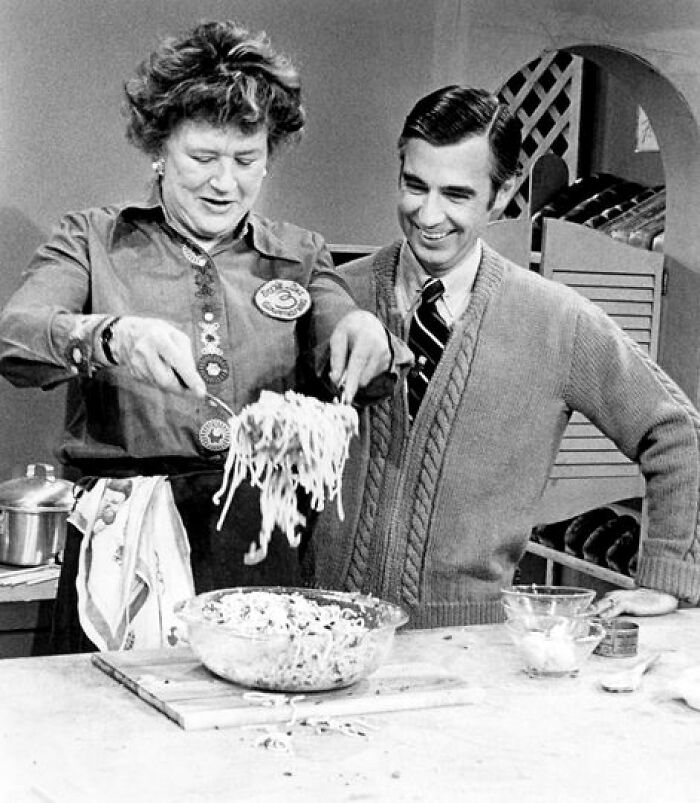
pixel 215 435
pixel 78 354
pixel 213 368
pixel 211 340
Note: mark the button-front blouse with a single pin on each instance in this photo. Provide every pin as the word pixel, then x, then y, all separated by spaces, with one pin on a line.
pixel 127 260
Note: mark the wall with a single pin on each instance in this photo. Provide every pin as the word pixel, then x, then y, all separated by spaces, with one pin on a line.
pixel 62 65
pixel 611 112
pixel 64 61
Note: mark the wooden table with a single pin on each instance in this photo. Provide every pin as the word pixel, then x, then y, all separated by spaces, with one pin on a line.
pixel 71 734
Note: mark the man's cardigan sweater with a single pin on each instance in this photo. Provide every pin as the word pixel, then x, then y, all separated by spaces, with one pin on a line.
pixel 438 515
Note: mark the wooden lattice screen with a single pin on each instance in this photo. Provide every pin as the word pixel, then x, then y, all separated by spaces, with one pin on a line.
pixel 546 96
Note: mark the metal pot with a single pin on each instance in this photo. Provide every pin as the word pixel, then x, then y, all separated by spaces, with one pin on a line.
pixel 33 514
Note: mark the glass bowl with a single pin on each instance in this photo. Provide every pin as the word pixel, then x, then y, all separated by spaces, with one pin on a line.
pixel 554 646
pixel 544 600
pixel 290 639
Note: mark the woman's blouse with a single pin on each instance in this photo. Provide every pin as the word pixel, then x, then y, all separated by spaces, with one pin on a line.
pixel 127 260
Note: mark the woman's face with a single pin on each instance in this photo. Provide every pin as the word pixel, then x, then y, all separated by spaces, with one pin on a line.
pixel 212 177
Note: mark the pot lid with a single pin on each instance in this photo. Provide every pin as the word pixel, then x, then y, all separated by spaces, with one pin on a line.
pixel 38 491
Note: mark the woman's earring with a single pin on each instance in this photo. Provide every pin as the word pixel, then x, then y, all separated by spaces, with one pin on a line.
pixel 159 166
pixel 264 172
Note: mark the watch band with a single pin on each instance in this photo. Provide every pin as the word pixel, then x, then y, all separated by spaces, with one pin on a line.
pixel 106 338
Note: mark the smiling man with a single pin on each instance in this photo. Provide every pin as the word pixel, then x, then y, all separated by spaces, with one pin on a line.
pixel 440 488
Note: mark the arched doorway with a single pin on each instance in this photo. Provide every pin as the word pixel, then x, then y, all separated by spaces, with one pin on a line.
pixel 675 126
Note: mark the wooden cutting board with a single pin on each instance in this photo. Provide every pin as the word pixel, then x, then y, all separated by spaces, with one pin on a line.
pixel 176 683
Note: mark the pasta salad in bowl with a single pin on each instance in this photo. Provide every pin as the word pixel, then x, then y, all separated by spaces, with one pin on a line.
pixel 290 639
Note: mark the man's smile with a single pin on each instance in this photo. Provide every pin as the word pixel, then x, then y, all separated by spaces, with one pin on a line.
pixel 430 236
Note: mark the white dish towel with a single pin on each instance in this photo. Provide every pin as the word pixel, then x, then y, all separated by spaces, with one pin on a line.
pixel 134 563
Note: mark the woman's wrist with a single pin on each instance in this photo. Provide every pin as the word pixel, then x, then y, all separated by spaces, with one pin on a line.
pixel 106 343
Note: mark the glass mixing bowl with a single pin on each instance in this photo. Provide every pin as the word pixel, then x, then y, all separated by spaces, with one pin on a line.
pixel 554 646
pixel 544 600
pixel 551 627
pixel 290 639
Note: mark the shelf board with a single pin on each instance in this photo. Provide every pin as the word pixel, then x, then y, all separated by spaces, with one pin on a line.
pixel 350 248
pixel 580 565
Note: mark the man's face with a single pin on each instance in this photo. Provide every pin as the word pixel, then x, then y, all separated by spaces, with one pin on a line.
pixel 445 199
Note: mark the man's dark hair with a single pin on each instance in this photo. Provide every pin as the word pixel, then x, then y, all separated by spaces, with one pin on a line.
pixel 453 113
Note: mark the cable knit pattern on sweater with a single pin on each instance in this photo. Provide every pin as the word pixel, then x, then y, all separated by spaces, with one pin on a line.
pixel 489 277
pixel 380 428
pixel 380 418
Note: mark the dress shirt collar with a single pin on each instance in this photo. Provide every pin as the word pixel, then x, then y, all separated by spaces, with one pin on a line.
pixel 255 229
pixel 458 282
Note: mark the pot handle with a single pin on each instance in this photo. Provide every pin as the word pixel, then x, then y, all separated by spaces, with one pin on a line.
pixel 48 471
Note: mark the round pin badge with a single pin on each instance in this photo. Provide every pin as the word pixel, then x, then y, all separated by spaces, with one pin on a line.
pixel 283 299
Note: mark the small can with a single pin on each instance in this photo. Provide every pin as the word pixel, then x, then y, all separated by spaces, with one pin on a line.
pixel 621 639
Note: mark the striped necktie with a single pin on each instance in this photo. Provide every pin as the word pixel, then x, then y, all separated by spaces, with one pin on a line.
pixel 427 337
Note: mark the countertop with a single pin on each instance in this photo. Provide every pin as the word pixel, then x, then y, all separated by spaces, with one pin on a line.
pixel 71 734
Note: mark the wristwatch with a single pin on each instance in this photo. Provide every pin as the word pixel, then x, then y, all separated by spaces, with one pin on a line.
pixel 106 338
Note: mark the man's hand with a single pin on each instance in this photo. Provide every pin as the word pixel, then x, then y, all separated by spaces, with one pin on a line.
pixel 359 351
pixel 156 352
pixel 636 602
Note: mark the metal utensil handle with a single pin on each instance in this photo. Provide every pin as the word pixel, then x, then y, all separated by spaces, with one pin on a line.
pixel 221 404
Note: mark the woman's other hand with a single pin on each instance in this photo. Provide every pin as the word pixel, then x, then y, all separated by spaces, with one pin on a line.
pixel 359 351
pixel 636 602
pixel 156 352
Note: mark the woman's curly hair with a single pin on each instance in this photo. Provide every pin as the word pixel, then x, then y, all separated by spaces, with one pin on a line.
pixel 218 73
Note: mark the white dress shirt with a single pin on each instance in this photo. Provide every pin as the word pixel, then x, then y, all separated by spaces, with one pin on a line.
pixel 458 283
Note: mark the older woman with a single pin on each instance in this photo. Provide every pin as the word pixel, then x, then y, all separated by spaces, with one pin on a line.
pixel 154 310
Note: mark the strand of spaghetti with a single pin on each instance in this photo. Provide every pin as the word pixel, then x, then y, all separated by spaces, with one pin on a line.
pixel 234 469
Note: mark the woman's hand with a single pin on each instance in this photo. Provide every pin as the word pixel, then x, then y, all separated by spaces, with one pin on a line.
pixel 156 352
pixel 359 351
pixel 636 602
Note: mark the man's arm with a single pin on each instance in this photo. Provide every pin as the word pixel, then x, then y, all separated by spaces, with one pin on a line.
pixel 623 392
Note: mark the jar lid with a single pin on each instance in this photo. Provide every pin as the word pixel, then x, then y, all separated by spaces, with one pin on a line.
pixel 37 492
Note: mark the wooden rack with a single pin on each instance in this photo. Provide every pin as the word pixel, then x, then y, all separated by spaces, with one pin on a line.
pixel 554 557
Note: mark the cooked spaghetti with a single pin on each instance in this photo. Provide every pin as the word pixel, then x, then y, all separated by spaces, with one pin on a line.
pixel 289 641
pixel 283 443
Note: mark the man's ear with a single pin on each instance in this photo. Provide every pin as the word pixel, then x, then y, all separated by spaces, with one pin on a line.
pixel 503 196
